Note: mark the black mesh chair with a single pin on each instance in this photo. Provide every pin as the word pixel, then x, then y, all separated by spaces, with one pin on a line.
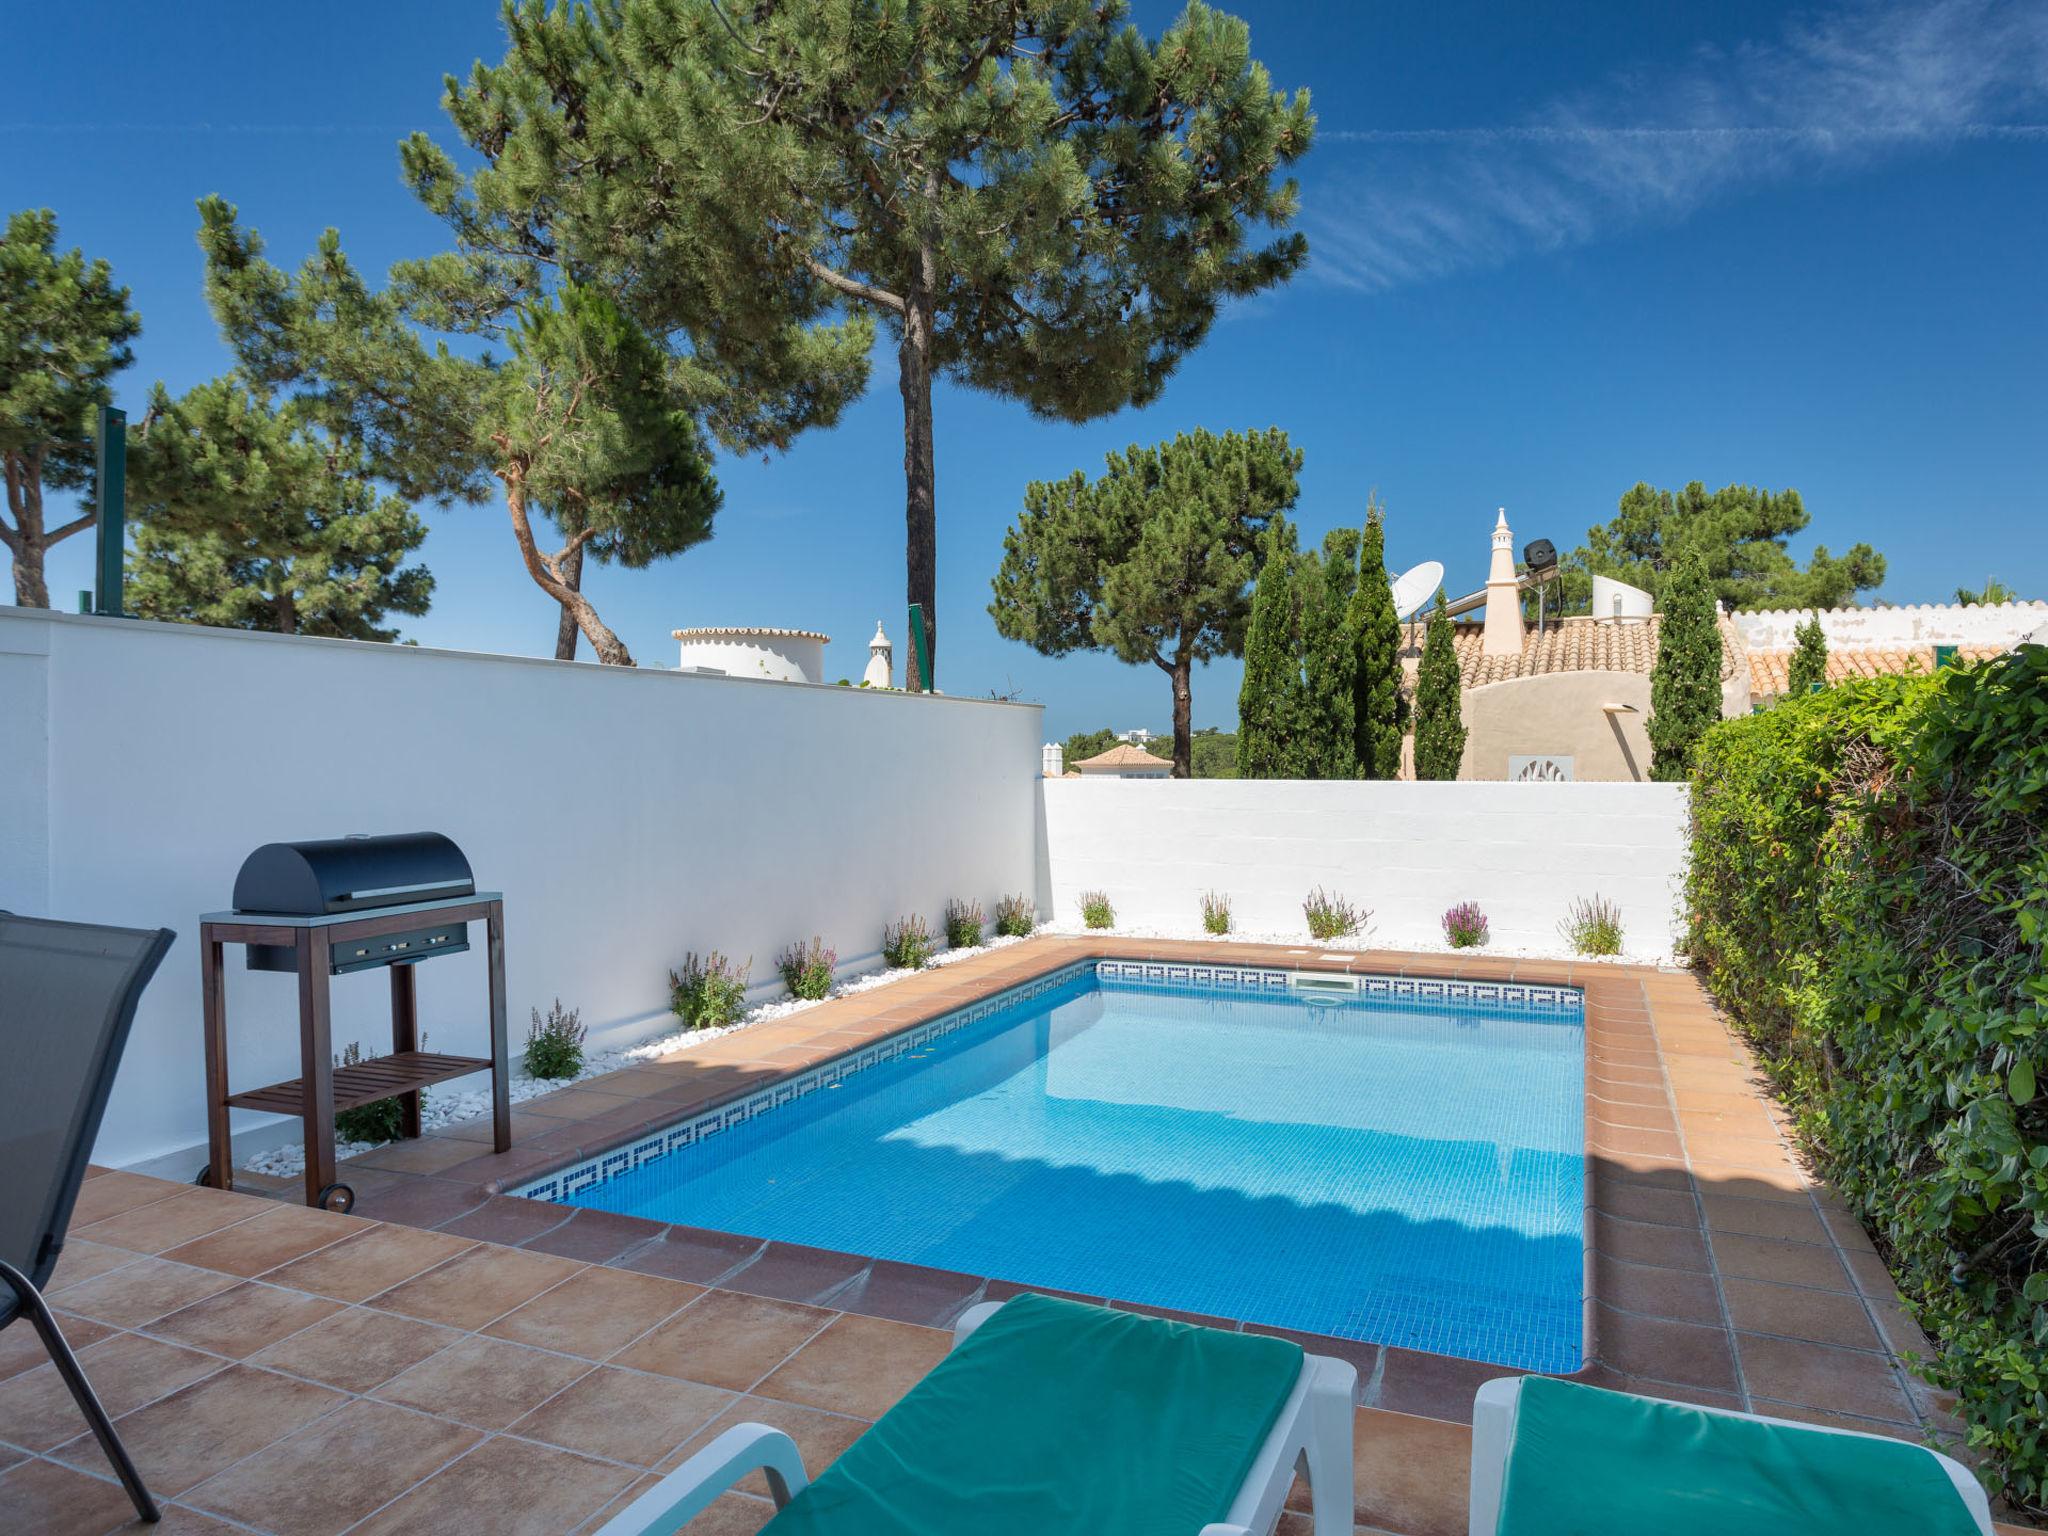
pixel 67 997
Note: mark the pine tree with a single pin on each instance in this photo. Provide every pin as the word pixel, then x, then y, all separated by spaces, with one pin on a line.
pixel 1374 631
pixel 1685 686
pixel 64 334
pixel 1033 199
pixel 1809 668
pixel 1328 748
pixel 1269 703
pixel 1439 724
pixel 246 517
pixel 1153 562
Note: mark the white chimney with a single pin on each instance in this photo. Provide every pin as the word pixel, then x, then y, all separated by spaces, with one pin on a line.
pixel 1052 763
pixel 1503 596
pixel 881 670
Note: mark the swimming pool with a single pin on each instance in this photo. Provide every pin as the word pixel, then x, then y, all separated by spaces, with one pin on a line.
pixel 1374 1164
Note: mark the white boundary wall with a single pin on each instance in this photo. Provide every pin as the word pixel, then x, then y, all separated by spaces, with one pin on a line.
pixel 1406 850
pixel 1776 629
pixel 628 816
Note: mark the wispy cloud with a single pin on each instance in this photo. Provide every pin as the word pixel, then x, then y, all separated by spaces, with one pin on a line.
pixel 1838 91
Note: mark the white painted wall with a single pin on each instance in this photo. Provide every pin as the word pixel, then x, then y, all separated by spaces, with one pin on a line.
pixel 1406 850
pixel 628 815
pixel 780 655
pixel 1909 624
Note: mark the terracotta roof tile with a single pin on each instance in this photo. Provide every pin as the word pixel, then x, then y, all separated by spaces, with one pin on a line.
pixel 1769 670
pixel 1566 645
pixel 1124 755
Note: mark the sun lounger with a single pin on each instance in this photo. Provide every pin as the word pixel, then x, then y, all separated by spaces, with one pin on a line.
pixel 1560 1459
pixel 1053 1418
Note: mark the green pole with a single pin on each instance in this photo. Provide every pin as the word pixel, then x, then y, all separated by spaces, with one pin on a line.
pixel 921 648
pixel 111 493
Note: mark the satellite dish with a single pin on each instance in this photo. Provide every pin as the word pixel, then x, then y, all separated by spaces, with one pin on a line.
pixel 1416 586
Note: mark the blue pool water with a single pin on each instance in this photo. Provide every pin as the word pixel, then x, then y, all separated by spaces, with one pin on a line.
pixel 1371 1169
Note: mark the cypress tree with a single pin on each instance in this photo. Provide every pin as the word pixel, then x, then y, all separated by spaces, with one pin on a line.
pixel 1809 669
pixel 1327 748
pixel 1685 687
pixel 1374 633
pixel 1268 705
pixel 1439 725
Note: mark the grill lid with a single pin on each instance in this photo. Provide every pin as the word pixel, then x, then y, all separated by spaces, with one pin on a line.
pixel 352 874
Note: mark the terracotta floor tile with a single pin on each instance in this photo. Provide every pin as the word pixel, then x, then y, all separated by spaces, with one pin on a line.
pixel 422 1154
pixel 505 1487
pixel 183 1439
pixel 141 1292
pixel 49 1500
pixel 356 1349
pixel 239 1321
pixel 1840 1380
pixel 1411 1473
pixel 358 1267
pixel 596 1313
pixel 858 1365
pixel 1870 1275
pixel 909 1293
pixel 21 1349
pixel 575 1103
pixel 1826 1317
pixel 1433 1386
pixel 166 1223
pixel 1763 1258
pixel 1752 1184
pixel 509 1220
pixel 693 1254
pixel 725 1339
pixel 420 1201
pixel 112 1193
pixel 80 1261
pixel 1643 1203
pixel 483 1129
pixel 1646 1243
pixel 820 1437
pixel 733 1514
pixel 277 1236
pixel 476 1288
pixel 1684 1295
pixel 127 1370
pixel 597 1237
pixel 332 1473
pixel 1800 1413
pixel 1669 1391
pixel 624 1415
pixel 485 1382
pixel 1764 1218
pixel 1666 1350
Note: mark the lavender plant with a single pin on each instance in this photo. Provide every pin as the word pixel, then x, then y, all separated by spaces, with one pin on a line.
pixel 1465 925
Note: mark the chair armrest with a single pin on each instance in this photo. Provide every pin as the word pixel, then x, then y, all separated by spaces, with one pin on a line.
pixel 686 1492
pixel 1221 1529
pixel 972 1319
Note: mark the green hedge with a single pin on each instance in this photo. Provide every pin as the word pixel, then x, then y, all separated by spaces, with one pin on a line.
pixel 1869 897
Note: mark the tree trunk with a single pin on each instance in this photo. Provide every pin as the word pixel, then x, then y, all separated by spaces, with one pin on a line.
pixel 1183 717
pixel 571 567
pixel 25 540
pixel 30 591
pixel 610 649
pixel 920 478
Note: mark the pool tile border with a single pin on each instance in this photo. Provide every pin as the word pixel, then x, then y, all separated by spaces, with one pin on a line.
pixel 577 1178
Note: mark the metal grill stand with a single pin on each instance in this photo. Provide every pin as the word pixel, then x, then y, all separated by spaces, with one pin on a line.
pixel 322 1088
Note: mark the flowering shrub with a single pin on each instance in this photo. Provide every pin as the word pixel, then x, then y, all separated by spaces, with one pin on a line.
pixel 807 969
pixel 1016 916
pixel 907 945
pixel 1868 894
pixel 1215 912
pixel 1096 911
pixel 1465 925
pixel 1330 916
pixel 963 924
pixel 554 1045
pixel 1593 926
pixel 708 993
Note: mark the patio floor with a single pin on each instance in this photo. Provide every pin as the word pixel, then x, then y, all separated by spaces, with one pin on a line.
pixel 450 1358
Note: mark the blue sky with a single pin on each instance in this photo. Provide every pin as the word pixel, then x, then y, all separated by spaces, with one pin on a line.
pixel 1555 250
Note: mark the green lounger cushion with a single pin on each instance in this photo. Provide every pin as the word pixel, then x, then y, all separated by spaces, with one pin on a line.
pixel 1054 1417
pixel 1590 1461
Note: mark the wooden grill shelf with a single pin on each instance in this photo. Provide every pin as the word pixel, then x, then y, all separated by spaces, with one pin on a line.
pixel 309 943
pixel 384 1078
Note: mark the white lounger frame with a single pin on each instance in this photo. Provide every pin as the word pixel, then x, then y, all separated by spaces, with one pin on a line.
pixel 1493 1435
pixel 1313 1431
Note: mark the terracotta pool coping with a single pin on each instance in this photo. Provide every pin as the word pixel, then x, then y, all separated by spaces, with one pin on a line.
pixel 1714 1271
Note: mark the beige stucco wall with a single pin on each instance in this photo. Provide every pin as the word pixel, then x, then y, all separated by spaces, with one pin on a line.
pixel 1559 713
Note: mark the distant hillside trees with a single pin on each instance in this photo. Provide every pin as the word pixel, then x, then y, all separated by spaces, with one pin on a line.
pixel 1152 561
pixel 1739 535
pixel 65 326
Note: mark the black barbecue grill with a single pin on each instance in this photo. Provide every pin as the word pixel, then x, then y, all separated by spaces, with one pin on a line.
pixel 330 908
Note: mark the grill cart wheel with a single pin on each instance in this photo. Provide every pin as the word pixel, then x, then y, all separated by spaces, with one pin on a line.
pixel 336 1197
